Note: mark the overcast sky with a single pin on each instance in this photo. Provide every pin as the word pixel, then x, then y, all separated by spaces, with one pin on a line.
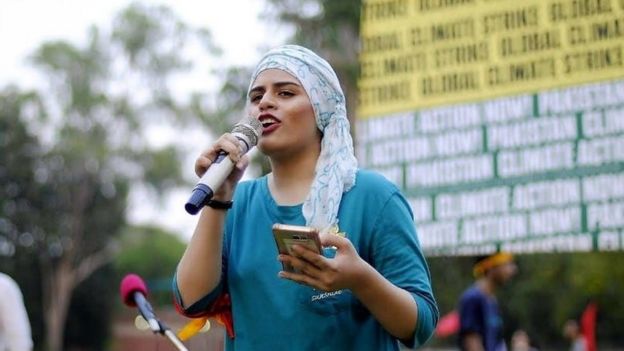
pixel 234 24
pixel 24 24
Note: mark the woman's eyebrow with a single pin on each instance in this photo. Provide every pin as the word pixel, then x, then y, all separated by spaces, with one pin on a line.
pixel 281 84
pixel 276 84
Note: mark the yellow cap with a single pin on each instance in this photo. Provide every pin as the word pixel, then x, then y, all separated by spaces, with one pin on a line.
pixel 491 262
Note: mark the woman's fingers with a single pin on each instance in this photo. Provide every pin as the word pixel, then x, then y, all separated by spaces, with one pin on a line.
pixel 230 145
pixel 344 270
pixel 328 240
pixel 201 165
pixel 242 163
pixel 239 169
pixel 300 278
pixel 226 143
pixel 301 265
pixel 309 256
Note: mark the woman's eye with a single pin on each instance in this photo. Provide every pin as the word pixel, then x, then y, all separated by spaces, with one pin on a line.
pixel 254 98
pixel 286 93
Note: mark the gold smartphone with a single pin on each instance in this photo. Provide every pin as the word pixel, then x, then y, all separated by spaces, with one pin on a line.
pixel 287 235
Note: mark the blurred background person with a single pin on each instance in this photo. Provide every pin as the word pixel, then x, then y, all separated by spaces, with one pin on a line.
pixel 520 341
pixel 14 324
pixel 572 332
pixel 481 324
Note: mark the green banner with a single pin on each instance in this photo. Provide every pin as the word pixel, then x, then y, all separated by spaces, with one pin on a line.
pixel 539 172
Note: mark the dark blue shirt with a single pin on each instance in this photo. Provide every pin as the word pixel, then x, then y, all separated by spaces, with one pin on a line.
pixel 479 313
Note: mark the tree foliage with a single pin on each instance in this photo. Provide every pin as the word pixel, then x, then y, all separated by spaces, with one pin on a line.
pixel 19 203
pixel 66 178
pixel 153 254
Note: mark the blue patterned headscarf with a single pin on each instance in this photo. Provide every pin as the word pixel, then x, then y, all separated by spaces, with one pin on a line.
pixel 336 166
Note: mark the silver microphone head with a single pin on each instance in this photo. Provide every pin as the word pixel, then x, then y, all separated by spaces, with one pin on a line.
pixel 248 130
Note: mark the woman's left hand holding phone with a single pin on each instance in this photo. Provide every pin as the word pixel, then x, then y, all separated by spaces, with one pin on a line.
pixel 344 271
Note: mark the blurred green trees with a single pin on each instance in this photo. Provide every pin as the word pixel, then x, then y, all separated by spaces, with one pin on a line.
pixel 152 253
pixel 71 153
pixel 20 205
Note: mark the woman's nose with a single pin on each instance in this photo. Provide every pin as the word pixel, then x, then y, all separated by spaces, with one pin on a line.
pixel 266 102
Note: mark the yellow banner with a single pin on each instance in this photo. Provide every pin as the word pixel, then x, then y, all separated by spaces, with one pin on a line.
pixel 423 53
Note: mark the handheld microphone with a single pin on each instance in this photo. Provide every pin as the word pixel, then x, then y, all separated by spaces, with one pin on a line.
pixel 247 132
pixel 133 293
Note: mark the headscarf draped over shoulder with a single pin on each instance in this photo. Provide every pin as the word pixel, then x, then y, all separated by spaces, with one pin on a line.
pixel 336 166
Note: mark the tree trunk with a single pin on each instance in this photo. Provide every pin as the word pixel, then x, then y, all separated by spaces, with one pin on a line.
pixel 59 284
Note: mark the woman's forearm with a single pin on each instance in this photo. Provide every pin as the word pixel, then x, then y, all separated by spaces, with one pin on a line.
pixel 199 270
pixel 393 307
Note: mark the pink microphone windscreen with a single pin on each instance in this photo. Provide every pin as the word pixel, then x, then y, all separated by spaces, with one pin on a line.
pixel 129 285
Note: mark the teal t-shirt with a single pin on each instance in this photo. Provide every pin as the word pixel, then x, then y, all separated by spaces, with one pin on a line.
pixel 271 313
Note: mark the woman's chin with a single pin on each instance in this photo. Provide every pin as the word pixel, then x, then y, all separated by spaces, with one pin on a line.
pixel 267 148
